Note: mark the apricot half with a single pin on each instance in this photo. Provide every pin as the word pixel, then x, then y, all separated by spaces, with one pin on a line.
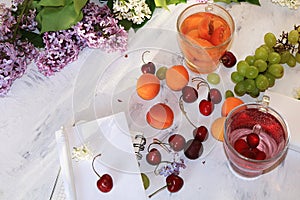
pixel 147 86
pixel 160 116
pixel 177 77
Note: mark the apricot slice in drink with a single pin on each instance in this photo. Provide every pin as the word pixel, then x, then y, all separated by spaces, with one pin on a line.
pixel 219 36
pixel 190 23
pixel 160 116
pixel 206 28
pixel 148 86
pixel 177 77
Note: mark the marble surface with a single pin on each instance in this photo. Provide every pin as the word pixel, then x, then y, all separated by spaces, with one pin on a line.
pixel 37 106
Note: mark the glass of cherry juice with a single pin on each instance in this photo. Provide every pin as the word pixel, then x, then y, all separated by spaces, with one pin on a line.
pixel 205 31
pixel 256 139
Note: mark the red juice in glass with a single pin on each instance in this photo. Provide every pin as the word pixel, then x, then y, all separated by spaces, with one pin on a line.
pixel 270 143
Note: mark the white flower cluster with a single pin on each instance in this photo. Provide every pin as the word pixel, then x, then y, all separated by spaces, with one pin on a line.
pixel 133 10
pixel 292 4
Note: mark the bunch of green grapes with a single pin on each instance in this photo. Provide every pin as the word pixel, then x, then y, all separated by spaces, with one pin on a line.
pixel 258 72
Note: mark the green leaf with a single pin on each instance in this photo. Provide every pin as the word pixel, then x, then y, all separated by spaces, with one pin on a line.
pixel 54 3
pixel 79 4
pixel 57 18
pixel 34 38
pixel 256 2
pixel 161 3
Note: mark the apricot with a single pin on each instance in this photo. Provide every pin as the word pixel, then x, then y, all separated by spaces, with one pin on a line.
pixel 229 104
pixel 148 86
pixel 217 128
pixel 160 116
pixel 177 77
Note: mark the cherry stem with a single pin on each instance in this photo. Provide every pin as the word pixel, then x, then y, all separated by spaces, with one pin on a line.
pixel 94 166
pixel 160 143
pixel 144 55
pixel 160 189
pixel 184 112
pixel 202 82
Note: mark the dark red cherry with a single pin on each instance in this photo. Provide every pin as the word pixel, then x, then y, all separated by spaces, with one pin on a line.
pixel 206 107
pixel 252 140
pixel 105 183
pixel 193 149
pixel 260 155
pixel 153 157
pixel 148 68
pixel 240 145
pixel 189 94
pixel 228 59
pixel 176 142
pixel 200 133
pixel 174 183
pixel 215 95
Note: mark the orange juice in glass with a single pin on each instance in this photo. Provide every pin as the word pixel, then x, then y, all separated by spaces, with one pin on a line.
pixel 204 34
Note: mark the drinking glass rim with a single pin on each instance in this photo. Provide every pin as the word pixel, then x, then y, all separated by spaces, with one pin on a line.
pixel 197 46
pixel 274 158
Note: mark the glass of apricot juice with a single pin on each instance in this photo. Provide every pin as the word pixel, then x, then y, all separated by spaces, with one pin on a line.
pixel 256 139
pixel 205 32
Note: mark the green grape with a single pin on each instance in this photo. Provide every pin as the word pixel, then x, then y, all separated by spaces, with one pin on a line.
pixel 242 67
pixel 261 65
pixel 297 57
pixel 146 181
pixel 228 93
pixel 270 78
pixel 161 73
pixel 250 60
pixel 270 39
pixel 249 85
pixel 251 72
pixel 298 29
pixel 269 49
pixel 213 78
pixel 240 88
pixel 293 36
pixel 262 82
pixel 261 53
pixel 291 61
pixel 285 55
pixel 254 93
pixel 276 70
pixel 274 58
pixel 236 77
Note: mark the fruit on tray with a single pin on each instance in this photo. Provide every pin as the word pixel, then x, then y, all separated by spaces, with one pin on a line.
pixel 153 157
pixel 177 77
pixel 217 128
pixel 200 133
pixel 189 94
pixel 147 86
pixel 105 181
pixel 229 104
pixel 160 116
pixel 176 142
pixel 193 149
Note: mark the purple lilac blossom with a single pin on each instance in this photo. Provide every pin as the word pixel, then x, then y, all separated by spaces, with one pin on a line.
pixel 99 29
pixel 12 66
pixel 172 168
pixel 61 48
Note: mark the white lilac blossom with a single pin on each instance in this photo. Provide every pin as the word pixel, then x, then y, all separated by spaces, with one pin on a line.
pixel 292 4
pixel 99 29
pixel 136 11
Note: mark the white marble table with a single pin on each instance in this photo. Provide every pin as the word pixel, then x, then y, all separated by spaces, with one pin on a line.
pixel 37 106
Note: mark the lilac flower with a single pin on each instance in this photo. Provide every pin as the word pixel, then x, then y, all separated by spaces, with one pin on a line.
pixel 171 168
pixel 99 29
pixel 12 66
pixel 61 48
